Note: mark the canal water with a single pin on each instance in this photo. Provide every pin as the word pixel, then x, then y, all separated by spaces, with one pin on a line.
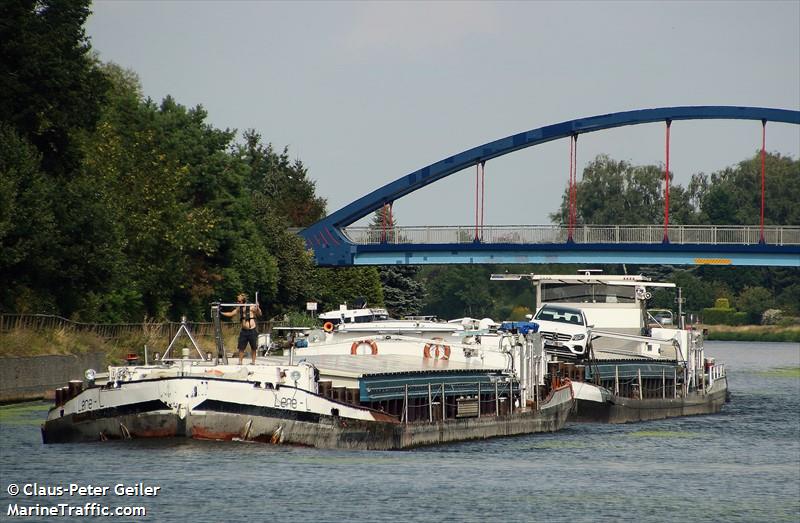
pixel 740 465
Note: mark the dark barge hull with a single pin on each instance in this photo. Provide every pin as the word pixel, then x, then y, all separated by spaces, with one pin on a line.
pixel 220 421
pixel 628 410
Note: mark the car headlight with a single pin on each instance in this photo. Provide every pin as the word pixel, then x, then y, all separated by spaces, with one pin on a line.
pixel 578 337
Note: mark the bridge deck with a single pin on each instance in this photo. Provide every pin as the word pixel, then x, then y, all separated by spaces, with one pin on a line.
pixel 587 234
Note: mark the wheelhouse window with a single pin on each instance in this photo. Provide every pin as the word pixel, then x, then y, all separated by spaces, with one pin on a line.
pixel 588 293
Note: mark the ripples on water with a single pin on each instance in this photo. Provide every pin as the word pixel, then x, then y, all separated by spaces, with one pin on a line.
pixel 740 465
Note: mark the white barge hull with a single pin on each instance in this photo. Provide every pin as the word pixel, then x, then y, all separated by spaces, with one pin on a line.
pixel 219 409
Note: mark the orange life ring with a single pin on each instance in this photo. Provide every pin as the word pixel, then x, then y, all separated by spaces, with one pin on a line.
pixel 327 326
pixel 356 344
pixel 426 352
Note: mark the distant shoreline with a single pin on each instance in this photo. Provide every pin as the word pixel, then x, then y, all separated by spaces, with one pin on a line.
pixel 752 333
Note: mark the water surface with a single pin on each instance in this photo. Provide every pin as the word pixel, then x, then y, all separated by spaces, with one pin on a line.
pixel 740 465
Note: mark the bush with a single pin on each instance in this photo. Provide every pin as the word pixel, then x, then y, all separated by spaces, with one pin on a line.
pixel 719 316
pixel 722 303
pixel 754 301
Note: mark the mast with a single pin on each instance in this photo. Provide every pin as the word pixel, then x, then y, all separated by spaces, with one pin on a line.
pixel 218 335
pixel 680 300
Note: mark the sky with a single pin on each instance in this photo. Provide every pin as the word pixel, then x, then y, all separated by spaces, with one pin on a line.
pixel 367 92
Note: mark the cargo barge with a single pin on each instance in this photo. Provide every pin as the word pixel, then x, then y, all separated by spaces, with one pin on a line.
pixel 369 402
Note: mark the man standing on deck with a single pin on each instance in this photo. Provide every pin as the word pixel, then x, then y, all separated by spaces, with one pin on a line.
pixel 249 333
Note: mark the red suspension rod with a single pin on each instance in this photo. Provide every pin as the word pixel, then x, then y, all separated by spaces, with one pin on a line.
pixel 477 190
pixel 763 173
pixel 479 199
pixel 666 188
pixel 483 192
pixel 571 187
pixel 383 224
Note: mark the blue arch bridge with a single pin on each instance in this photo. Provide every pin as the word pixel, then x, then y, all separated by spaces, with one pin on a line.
pixel 335 242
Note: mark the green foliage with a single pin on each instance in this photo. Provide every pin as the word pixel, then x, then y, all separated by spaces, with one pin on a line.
pixel 403 292
pixel 615 192
pixel 754 301
pixel 721 316
pixel 733 195
pixel 459 291
pixel 788 299
pixel 300 319
pixel 50 90
pixel 403 295
pixel 27 224
pixel 722 303
pixel 787 335
pixel 282 186
pixel 332 287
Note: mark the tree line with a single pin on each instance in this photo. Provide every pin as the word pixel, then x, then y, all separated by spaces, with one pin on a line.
pixel 115 207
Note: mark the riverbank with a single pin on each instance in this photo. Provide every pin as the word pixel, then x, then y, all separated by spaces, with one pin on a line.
pixel 766 333
pixel 23 342
pixel 34 362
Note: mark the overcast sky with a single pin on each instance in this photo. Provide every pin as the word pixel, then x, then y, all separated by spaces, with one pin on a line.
pixel 366 92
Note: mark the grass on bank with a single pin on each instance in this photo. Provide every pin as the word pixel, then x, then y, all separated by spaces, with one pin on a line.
pixel 28 342
pixel 752 333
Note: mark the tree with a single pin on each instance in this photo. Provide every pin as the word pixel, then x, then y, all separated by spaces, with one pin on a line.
pixel 754 301
pixel 334 286
pixel 284 186
pixel 733 195
pixel 50 89
pixel 27 223
pixel 51 94
pixel 618 193
pixel 459 290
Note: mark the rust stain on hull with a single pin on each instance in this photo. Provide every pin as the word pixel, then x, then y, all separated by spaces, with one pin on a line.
pixel 155 433
pixel 199 432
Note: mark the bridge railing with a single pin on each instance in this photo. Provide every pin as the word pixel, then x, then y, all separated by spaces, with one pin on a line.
pixel 531 234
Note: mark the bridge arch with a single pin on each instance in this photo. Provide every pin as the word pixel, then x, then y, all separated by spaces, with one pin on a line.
pixel 331 246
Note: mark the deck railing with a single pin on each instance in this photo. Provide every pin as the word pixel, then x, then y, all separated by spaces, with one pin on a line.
pixel 612 234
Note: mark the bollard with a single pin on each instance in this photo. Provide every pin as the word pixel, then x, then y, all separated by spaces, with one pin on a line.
pixel 325 389
pixel 75 388
pixel 339 394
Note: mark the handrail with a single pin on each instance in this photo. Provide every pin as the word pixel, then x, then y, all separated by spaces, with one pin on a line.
pixel 554 234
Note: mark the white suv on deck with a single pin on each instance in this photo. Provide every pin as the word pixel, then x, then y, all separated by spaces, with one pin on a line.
pixel 564 330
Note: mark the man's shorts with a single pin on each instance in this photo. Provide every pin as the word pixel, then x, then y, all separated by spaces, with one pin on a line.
pixel 248 336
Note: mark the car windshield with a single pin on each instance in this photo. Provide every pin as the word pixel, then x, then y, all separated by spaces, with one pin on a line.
pixel 559 315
